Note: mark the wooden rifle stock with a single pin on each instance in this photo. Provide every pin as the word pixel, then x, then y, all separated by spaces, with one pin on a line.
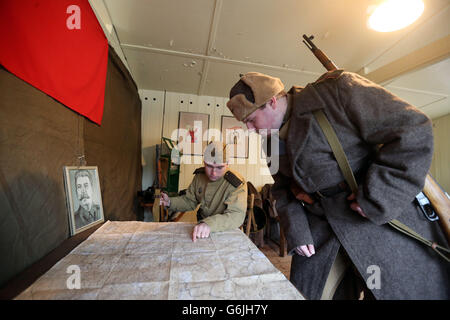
pixel 439 200
pixel 440 203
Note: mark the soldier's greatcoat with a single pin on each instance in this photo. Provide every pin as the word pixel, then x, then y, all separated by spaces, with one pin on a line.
pixel 363 115
pixel 223 203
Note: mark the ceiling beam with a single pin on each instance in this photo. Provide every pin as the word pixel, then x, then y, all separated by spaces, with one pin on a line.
pixel 211 41
pixel 431 53
pixel 214 59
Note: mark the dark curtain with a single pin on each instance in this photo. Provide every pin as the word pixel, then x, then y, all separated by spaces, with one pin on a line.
pixel 38 137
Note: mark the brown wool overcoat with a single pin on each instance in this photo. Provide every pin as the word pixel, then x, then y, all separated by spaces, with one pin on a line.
pixel 363 115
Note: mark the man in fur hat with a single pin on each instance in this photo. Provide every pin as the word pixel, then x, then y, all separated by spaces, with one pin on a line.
pixel 340 240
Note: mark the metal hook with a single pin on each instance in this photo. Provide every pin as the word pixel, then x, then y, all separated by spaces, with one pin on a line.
pixel 81 161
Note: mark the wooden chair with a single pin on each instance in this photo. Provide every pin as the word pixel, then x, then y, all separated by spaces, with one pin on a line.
pixel 250 217
pixel 187 216
pixel 282 237
pixel 160 213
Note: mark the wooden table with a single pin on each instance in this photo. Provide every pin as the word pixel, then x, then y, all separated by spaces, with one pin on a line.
pixel 146 260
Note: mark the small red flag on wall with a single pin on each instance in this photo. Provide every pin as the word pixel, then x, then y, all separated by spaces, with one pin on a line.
pixel 59 47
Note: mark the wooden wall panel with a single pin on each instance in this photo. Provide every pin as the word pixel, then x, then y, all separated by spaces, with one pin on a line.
pixel 440 167
pixel 159 117
pixel 152 115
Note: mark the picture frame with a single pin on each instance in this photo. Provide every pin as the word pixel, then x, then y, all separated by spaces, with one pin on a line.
pixel 83 197
pixel 235 136
pixel 191 129
pixel 265 146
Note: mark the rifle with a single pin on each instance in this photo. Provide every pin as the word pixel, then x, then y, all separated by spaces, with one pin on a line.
pixel 322 57
pixel 437 196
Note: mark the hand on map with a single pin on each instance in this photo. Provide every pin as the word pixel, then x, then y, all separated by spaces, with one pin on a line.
pixel 201 230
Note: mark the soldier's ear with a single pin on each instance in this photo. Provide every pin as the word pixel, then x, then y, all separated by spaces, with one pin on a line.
pixel 272 102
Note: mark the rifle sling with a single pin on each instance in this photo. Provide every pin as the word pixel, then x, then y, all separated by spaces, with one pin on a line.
pixel 344 165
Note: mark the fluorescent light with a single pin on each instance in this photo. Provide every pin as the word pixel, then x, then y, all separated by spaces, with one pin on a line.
pixel 392 15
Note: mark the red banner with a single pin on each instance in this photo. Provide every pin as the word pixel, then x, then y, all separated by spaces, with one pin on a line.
pixel 59 47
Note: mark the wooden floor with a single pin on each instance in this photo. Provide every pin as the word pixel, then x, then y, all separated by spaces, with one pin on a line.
pixel 271 250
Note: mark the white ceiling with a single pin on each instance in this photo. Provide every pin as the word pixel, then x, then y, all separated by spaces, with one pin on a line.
pixel 201 46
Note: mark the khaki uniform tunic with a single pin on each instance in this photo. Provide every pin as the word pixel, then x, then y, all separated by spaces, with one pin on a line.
pixel 222 204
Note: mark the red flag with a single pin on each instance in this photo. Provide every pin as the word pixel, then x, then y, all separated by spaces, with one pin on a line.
pixel 58 47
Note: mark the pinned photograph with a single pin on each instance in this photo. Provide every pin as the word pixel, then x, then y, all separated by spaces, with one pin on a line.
pixel 192 127
pixel 83 196
pixel 235 136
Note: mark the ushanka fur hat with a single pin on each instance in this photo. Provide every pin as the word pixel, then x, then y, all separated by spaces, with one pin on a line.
pixel 251 92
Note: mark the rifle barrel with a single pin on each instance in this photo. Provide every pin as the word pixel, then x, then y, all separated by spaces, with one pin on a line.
pixel 309 43
pixel 322 57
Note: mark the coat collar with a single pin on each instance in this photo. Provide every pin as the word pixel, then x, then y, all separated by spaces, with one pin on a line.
pixel 298 127
pixel 300 101
pixel 304 102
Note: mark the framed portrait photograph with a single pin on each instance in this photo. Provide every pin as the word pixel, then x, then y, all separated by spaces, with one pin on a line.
pixel 83 197
pixel 265 145
pixel 235 136
pixel 192 127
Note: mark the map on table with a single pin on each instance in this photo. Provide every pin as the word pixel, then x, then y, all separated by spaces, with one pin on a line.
pixel 147 260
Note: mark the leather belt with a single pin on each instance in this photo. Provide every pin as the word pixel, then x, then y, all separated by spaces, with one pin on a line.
pixel 310 198
pixel 329 192
pixel 340 187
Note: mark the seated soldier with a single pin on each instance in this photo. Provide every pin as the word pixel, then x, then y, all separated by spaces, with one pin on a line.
pixel 220 191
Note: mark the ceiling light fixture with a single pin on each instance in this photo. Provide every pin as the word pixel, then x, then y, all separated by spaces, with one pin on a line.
pixel 392 15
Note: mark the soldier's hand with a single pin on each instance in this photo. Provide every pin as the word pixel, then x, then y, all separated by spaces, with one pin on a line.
pixel 164 200
pixel 355 205
pixel 201 230
pixel 306 250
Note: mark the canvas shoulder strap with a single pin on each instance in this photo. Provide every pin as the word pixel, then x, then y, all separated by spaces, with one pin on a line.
pixel 344 165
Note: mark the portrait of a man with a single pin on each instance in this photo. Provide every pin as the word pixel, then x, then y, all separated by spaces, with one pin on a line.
pixel 84 198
